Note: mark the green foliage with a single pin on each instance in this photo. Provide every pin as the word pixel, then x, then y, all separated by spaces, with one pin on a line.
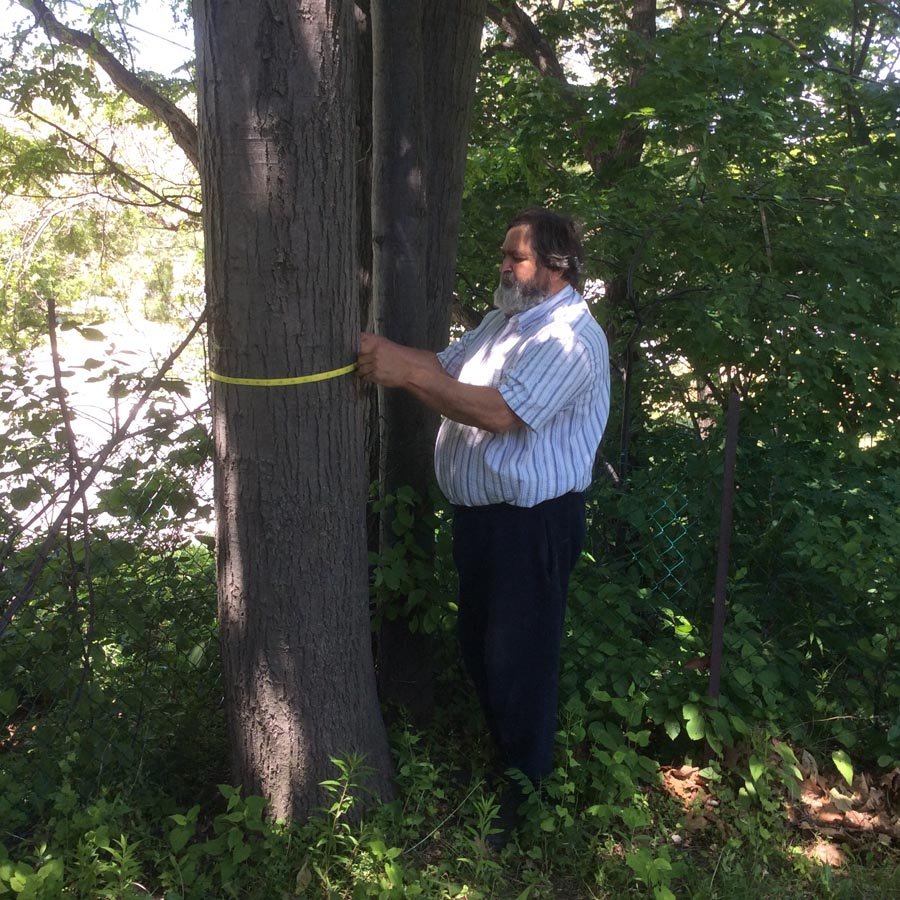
pixel 755 241
pixel 407 581
pixel 97 212
pixel 756 236
pixel 124 603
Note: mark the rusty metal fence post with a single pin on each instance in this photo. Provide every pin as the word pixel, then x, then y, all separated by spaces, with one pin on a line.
pixel 720 602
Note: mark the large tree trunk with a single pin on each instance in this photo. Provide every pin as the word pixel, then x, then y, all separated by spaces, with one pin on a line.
pixel 425 61
pixel 277 140
pixel 453 35
pixel 399 208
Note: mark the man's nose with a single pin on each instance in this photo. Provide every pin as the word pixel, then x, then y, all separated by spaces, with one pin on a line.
pixel 506 265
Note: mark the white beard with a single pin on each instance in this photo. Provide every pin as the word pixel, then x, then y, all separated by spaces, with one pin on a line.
pixel 517 297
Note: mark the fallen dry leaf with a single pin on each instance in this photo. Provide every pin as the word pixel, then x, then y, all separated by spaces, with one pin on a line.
pixel 811 790
pixel 808 765
pixel 860 790
pixel 827 814
pixel 875 801
pixel 891 785
pixel 841 801
pixel 828 854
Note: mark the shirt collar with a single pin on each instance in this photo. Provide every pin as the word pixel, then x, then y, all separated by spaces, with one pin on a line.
pixel 544 309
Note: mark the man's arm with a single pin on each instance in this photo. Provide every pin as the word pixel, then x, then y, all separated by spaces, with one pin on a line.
pixel 418 371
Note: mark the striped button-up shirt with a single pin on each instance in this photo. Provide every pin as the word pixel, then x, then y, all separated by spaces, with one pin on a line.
pixel 551 365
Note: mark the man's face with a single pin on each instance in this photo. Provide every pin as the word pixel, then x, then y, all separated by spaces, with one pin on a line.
pixel 524 282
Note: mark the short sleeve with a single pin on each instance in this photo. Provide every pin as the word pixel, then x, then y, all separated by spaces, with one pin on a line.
pixel 453 357
pixel 546 378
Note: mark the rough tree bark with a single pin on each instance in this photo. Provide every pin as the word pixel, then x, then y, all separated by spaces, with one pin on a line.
pixel 399 210
pixel 425 62
pixel 277 162
pixel 451 36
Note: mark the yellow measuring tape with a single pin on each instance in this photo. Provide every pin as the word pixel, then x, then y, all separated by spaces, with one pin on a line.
pixel 283 382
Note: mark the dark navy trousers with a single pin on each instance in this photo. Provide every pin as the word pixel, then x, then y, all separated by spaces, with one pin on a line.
pixel 514 565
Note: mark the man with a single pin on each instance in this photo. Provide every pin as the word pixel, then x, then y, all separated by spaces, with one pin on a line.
pixel 525 398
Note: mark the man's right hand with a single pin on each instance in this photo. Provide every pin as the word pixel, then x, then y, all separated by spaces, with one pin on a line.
pixel 383 362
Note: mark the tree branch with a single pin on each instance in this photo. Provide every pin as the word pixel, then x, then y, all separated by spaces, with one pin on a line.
pixel 863 56
pixel 115 169
pixel 526 38
pixel 182 129
pixel 76 475
pixel 719 6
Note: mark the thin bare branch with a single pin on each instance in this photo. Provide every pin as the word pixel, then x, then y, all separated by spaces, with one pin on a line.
pixel 115 169
pixel 75 466
pixel 73 463
pixel 99 461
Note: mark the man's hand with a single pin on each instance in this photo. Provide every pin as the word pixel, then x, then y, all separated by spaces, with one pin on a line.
pixel 383 362
pixel 420 372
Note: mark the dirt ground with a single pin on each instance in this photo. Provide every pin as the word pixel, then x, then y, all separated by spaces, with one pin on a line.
pixel 831 817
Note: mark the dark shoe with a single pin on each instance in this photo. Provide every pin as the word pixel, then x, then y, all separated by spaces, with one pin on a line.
pixel 507 819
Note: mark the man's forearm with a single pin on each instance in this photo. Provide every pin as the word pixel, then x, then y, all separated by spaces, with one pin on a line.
pixel 420 372
pixel 483 407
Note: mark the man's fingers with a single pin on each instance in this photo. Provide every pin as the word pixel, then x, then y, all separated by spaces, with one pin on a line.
pixel 365 366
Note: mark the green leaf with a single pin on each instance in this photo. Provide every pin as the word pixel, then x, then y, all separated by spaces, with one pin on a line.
pixel 634 817
pixel 844 766
pixel 8 702
pixel 22 497
pixel 694 724
pixel 179 836
pixel 757 768
pixel 241 852
pixel 92 334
